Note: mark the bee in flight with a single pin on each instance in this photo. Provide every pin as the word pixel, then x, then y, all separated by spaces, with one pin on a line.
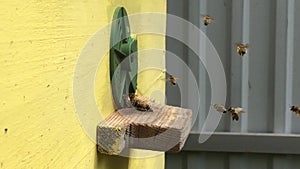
pixel 234 111
pixel 296 110
pixel 207 20
pixel 172 80
pixel 139 102
pixel 241 49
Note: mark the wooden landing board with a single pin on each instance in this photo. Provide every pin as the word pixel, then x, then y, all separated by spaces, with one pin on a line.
pixel 165 128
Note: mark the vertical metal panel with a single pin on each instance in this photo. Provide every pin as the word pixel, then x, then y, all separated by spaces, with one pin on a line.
pixel 279 162
pixel 173 161
pixel 219 35
pixel 296 67
pixel 208 160
pixel 175 48
pixel 293 161
pixel 216 161
pixel 237 161
pixel 195 64
pixel 261 66
pixel 239 65
pixel 265 82
pixel 194 160
pixel 283 64
pixel 203 79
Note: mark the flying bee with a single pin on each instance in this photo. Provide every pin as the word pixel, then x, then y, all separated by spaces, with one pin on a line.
pixel 241 49
pixel 172 80
pixel 296 110
pixel 235 111
pixel 139 102
pixel 207 20
pixel 220 108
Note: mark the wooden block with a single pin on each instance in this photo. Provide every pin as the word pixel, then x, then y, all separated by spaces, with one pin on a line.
pixel 165 128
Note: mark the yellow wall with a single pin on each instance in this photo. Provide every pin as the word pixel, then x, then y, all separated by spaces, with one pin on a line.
pixel 40 41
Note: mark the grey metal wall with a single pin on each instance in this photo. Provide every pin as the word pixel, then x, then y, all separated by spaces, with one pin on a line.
pixel 265 82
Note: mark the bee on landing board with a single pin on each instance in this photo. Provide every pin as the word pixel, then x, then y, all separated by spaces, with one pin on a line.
pixel 207 20
pixel 139 102
pixel 118 130
pixel 241 49
pixel 296 110
pixel 234 111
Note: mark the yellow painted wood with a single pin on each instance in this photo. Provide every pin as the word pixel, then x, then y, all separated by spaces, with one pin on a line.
pixel 40 42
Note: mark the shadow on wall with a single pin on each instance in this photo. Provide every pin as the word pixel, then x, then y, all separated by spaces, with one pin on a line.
pixel 110 161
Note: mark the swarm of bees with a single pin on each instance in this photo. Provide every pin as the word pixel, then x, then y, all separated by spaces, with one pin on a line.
pixel 241 49
pixel 234 111
pixel 207 20
pixel 296 110
pixel 139 102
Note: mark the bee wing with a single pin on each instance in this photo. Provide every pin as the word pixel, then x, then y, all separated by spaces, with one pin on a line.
pixel 207 16
pixel 165 79
pixel 220 108
pixel 239 110
pixel 238 44
pixel 171 76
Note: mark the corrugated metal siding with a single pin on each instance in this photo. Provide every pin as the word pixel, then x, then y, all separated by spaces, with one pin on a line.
pixel 265 82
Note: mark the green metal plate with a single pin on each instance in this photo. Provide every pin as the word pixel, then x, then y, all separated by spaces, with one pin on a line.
pixel 123 58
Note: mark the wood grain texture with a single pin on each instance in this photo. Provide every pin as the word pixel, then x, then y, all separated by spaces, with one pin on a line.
pixel 164 129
